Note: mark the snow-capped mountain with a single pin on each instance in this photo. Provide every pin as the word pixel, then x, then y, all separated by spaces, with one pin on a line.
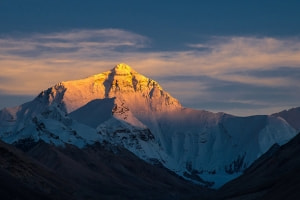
pixel 123 107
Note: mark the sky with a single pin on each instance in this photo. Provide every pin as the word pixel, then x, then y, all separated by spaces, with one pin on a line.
pixel 238 57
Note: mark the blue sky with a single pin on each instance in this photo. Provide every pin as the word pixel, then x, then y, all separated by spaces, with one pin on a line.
pixel 240 57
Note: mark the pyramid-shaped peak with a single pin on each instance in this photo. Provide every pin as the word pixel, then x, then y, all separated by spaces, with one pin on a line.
pixel 122 68
pixel 121 82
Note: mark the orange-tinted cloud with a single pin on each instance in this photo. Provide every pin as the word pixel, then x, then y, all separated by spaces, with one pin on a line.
pixel 33 63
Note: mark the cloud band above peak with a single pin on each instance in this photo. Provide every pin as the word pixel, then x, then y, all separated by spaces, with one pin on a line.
pixel 41 60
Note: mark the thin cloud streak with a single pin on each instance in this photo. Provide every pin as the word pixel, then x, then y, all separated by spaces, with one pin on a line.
pixel 34 63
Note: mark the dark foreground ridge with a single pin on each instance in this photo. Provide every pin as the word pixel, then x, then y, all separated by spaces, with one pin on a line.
pixel 45 171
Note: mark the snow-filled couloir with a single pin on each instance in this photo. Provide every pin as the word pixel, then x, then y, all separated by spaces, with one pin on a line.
pixel 123 107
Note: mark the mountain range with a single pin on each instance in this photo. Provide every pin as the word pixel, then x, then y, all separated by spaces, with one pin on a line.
pixel 122 109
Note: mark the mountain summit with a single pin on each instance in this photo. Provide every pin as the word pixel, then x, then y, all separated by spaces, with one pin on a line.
pixel 121 82
pixel 121 107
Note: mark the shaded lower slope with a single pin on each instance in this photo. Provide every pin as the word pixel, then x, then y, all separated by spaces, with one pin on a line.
pixel 275 175
pixel 109 172
pixel 24 178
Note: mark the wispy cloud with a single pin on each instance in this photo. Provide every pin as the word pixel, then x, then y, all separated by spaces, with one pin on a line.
pixel 32 63
pixel 83 43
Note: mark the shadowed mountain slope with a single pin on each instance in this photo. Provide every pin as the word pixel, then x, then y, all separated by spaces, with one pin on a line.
pixel 292 116
pixel 110 172
pixel 24 178
pixel 275 175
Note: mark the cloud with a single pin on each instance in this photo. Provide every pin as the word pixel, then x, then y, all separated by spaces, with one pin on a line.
pixel 229 67
pixel 82 43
